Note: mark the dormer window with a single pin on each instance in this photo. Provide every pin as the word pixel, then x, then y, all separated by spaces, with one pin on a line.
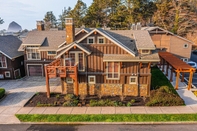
pixel 145 51
pixel 90 40
pixel 100 40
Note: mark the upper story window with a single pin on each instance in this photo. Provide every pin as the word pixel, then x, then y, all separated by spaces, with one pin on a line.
pixel 33 53
pixel 90 40
pixel 113 70
pixel 185 46
pixel 101 40
pixel 3 63
pixel 145 51
pixel 51 52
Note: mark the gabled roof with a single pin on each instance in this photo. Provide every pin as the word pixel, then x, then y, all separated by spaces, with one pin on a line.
pixel 9 46
pixel 143 40
pixel 70 46
pixel 156 27
pixel 87 30
pixel 45 39
pixel 113 39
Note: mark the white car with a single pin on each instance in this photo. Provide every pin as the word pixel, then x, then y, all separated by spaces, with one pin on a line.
pixel 192 64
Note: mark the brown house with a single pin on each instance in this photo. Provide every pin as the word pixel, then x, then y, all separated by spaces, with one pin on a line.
pixel 167 41
pixel 11 61
pixel 92 61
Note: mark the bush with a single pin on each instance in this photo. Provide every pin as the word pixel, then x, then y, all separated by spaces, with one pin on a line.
pixel 2 92
pixel 164 96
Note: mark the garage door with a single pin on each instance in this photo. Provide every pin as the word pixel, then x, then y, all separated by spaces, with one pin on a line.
pixel 35 70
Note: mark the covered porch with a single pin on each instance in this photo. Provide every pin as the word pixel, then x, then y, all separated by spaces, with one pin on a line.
pixel 170 62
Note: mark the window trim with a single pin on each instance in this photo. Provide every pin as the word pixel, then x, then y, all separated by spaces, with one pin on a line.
pixel 136 80
pixel 113 71
pixel 51 54
pixel 8 73
pixel 91 38
pixel 187 45
pixel 100 38
pixel 76 55
pixel 91 77
pixel 67 80
pixel 32 48
pixel 16 71
pixel 145 53
pixel 5 61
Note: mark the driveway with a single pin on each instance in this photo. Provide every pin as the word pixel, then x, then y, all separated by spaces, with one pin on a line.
pixel 18 92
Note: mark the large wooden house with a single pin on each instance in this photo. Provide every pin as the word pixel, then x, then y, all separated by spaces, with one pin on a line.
pixel 11 61
pixel 167 41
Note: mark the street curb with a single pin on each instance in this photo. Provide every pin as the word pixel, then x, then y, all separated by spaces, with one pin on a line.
pixel 112 123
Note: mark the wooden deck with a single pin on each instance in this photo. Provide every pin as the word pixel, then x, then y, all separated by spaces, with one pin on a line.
pixel 56 69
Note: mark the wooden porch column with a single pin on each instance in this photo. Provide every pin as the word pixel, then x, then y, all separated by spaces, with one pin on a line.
pixel 182 78
pixel 163 62
pixel 171 75
pixel 190 80
pixel 47 82
pixel 76 82
pixel 167 67
pixel 177 79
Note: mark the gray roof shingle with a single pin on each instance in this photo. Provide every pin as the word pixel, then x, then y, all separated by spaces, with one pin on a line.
pixel 9 45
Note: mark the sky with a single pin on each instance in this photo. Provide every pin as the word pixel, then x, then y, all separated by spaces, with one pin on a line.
pixel 27 12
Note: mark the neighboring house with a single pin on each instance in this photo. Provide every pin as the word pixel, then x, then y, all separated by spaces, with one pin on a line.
pixel 96 61
pixel 167 41
pixel 11 61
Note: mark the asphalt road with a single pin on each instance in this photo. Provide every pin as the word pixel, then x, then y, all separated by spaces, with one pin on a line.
pixel 171 127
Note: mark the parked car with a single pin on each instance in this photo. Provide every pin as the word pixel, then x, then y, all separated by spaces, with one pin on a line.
pixel 192 64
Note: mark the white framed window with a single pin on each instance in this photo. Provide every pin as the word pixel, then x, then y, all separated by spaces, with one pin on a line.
pixel 69 80
pixel 3 63
pixel 7 74
pixel 185 46
pixel 185 59
pixel 100 40
pixel 76 57
pixel 145 51
pixel 90 40
pixel 92 79
pixel 51 53
pixel 113 70
pixel 133 80
pixel 33 53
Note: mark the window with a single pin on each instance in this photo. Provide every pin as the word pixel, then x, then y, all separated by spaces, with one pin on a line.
pixel 133 80
pixel 74 58
pixel 51 53
pixel 100 40
pixel 185 46
pixel 91 79
pixel 1 76
pixel 33 53
pixel 7 74
pixel 145 51
pixel 113 70
pixel 3 63
pixel 69 80
pixel 90 40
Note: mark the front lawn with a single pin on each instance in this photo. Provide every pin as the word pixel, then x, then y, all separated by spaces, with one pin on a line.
pixel 108 118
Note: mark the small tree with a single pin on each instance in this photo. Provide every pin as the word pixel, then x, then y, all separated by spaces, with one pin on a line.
pixel 50 20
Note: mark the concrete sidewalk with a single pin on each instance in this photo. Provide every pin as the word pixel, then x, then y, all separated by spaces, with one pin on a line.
pixel 20 91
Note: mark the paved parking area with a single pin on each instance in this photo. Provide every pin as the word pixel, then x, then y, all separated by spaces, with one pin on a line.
pixel 194 81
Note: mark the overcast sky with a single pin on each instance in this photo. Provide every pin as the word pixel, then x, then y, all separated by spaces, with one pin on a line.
pixel 27 12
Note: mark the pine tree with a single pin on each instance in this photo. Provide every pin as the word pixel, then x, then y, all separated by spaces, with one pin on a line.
pixel 50 20
pixel 1 21
pixel 65 14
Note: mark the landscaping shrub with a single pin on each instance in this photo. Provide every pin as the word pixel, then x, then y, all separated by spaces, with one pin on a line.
pixel 164 96
pixel 2 92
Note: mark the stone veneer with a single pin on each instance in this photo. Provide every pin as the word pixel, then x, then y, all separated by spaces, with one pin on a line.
pixel 130 90
pixel 144 90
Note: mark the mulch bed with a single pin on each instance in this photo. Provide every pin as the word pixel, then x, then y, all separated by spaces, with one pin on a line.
pixel 57 100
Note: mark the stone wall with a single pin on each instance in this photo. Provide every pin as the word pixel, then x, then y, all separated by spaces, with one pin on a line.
pixel 130 90
pixel 83 90
pixel 111 89
pixel 144 90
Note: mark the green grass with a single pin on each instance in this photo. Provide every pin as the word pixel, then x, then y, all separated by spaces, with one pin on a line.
pixel 159 79
pixel 107 118
pixel 2 92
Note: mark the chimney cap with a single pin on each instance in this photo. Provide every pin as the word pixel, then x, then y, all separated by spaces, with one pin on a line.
pixel 40 22
pixel 69 21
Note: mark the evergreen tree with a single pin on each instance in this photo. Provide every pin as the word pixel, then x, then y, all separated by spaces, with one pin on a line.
pixel 1 21
pixel 65 14
pixel 78 13
pixel 50 20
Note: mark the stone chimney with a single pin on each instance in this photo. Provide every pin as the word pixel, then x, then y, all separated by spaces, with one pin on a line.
pixel 40 25
pixel 70 30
